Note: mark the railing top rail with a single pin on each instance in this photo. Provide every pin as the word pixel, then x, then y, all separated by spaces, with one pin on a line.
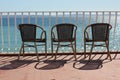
pixel 51 11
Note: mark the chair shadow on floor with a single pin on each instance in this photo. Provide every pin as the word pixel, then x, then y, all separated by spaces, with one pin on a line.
pixel 15 64
pixel 88 65
pixel 50 64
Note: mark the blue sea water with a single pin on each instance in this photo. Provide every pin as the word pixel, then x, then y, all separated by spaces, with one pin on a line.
pixel 10 41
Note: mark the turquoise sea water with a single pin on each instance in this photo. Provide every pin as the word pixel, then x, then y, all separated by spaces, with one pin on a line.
pixel 10 41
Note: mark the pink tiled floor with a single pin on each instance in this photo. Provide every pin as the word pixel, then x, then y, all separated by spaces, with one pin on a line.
pixel 64 68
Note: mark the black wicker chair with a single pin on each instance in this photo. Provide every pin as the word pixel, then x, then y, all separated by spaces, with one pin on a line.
pixel 63 35
pixel 97 34
pixel 32 36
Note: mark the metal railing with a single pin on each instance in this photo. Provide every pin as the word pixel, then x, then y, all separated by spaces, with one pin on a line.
pixel 10 40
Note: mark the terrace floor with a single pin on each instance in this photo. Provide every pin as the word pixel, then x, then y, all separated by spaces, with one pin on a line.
pixel 64 68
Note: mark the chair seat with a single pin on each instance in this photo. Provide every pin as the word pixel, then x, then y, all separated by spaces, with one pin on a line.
pixel 90 40
pixel 69 40
pixel 40 40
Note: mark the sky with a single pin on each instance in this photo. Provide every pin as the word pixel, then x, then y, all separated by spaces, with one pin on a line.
pixel 59 5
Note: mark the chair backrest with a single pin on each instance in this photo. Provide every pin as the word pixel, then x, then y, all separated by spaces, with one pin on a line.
pixel 65 32
pixel 100 31
pixel 28 32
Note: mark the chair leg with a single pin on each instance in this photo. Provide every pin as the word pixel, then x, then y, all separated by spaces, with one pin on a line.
pixel 57 51
pixel 91 50
pixel 74 51
pixel 108 53
pixel 36 51
pixel 20 51
pixel 23 49
pixel 46 50
pixel 52 48
pixel 84 49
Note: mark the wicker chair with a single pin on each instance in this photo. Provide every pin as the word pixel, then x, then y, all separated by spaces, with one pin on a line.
pixel 97 34
pixel 63 35
pixel 31 38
